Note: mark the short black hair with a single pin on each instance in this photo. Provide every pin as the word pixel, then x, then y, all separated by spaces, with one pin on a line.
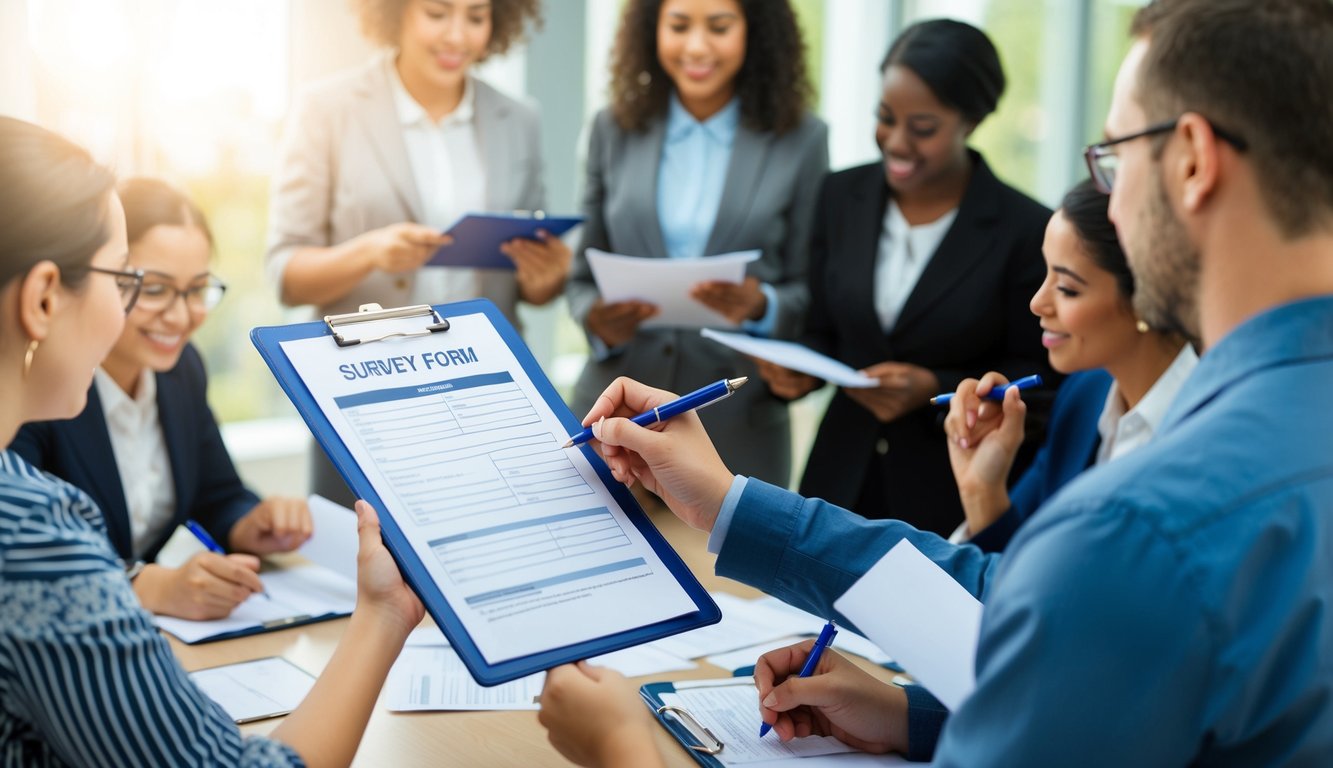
pixel 1260 70
pixel 1086 208
pixel 956 60
pixel 54 203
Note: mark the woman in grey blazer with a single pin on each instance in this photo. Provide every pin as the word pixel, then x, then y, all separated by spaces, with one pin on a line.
pixel 378 161
pixel 707 148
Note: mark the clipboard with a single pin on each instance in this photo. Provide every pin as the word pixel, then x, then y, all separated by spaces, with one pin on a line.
pixel 697 739
pixel 478 237
pixel 426 320
pixel 287 685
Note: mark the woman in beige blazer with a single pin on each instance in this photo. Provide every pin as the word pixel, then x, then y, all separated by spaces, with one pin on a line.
pixel 713 92
pixel 379 160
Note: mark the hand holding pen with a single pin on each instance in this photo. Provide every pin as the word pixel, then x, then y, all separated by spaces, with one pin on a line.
pixel 208 541
pixel 811 662
pixel 699 398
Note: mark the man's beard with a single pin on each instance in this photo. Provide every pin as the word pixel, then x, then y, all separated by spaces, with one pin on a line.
pixel 1166 268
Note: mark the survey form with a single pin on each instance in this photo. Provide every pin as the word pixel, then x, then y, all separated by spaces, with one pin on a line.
pixel 522 538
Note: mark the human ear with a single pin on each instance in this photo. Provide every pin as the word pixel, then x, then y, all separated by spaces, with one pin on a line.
pixel 39 299
pixel 1197 166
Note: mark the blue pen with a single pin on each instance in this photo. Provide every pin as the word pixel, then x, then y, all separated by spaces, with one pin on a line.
pixel 824 640
pixel 207 541
pixel 996 393
pixel 691 402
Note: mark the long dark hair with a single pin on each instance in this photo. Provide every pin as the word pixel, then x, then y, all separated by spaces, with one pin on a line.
pixel 956 60
pixel 53 203
pixel 1086 208
pixel 772 85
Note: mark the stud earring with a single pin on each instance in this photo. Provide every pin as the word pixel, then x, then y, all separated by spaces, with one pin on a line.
pixel 1142 326
pixel 27 357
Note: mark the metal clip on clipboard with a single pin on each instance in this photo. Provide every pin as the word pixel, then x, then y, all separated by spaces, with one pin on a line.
pixel 374 312
pixel 708 743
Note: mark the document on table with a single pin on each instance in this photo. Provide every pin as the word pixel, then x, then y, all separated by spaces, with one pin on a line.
pixel 297 595
pixel 911 608
pixel 744 622
pixel 432 677
pixel 667 283
pixel 848 641
pixel 794 356
pixel 522 538
pixel 255 690
pixel 637 661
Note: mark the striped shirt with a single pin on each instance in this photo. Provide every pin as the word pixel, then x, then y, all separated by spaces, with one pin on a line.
pixel 85 678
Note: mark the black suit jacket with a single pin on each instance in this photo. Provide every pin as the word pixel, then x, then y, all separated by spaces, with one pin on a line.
pixel 967 314
pixel 208 489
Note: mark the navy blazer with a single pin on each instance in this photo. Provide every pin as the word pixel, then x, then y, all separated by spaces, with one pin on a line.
pixel 967 314
pixel 1070 448
pixel 208 489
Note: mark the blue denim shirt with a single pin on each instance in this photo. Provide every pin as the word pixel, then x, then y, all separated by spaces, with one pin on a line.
pixel 1167 608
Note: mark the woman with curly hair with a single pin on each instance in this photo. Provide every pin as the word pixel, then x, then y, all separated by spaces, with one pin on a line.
pixel 708 147
pixel 379 160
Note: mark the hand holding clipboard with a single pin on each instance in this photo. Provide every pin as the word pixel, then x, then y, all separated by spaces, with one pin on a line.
pixel 477 237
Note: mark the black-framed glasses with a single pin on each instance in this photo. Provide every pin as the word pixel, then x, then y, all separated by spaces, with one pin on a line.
pixel 160 294
pixel 129 281
pixel 1104 163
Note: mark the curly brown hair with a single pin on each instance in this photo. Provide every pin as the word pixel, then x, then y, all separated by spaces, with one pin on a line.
pixel 381 21
pixel 772 84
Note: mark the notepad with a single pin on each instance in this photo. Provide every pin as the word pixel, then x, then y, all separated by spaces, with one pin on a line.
pixel 255 690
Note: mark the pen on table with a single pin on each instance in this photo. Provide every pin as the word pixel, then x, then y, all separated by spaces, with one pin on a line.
pixel 996 393
pixel 213 546
pixel 692 402
pixel 824 640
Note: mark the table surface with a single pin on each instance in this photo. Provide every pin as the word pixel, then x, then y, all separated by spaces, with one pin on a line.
pixel 463 738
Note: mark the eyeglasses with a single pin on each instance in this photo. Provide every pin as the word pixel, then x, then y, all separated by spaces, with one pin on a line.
pixel 129 281
pixel 159 295
pixel 1104 163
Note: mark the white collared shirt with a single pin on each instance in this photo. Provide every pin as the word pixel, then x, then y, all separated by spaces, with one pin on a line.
pixel 904 252
pixel 141 456
pixel 451 179
pixel 1122 431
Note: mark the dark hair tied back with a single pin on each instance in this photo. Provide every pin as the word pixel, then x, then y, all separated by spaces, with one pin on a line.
pixel 1087 209
pixel 956 60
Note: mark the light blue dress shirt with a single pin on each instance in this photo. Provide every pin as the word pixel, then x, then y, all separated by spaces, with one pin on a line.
pixel 691 177
pixel 1166 608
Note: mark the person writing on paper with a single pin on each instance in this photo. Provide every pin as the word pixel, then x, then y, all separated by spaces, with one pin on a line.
pixel 922 267
pixel 710 98
pixel 146 447
pixel 85 677
pixel 1196 561
pixel 1124 376
pixel 378 161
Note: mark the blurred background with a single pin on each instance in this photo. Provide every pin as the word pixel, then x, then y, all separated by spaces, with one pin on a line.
pixel 195 91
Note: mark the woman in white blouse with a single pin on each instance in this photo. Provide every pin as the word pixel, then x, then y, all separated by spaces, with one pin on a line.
pixel 378 161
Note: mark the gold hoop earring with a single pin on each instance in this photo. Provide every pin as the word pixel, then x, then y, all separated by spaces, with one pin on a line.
pixel 1142 326
pixel 27 357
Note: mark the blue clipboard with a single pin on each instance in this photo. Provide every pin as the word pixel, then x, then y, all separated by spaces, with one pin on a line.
pixel 693 735
pixel 435 321
pixel 478 237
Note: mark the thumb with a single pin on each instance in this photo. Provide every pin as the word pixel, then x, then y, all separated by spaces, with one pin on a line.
pixel 367 526
pixel 796 692
pixel 1015 410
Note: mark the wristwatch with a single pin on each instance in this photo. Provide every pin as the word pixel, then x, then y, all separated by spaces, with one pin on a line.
pixel 133 570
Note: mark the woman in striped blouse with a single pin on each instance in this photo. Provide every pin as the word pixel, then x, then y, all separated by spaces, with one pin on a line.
pixel 85 679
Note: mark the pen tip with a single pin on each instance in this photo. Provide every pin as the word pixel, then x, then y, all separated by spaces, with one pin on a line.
pixel 568 443
pixel 933 401
pixel 737 383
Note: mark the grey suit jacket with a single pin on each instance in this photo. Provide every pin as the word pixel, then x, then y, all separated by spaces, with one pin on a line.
pixel 344 170
pixel 767 203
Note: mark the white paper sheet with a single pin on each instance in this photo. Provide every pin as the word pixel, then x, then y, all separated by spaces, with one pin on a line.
pixel 794 356
pixel 747 656
pixel 911 608
pixel 334 542
pixel 294 594
pixel 667 283
pixel 434 678
pixel 523 539
pixel 744 622
pixel 253 690
pixel 631 662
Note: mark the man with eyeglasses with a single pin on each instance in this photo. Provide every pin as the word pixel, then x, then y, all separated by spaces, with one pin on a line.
pixel 1171 607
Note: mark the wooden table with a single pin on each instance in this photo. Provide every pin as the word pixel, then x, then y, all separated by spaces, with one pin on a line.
pixel 462 738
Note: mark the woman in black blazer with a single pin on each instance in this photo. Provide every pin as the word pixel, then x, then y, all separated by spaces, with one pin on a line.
pixel 921 271
pixel 148 403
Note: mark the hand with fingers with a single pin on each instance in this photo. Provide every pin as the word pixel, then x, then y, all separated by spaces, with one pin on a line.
pixel 737 302
pixel 276 524
pixel 616 324
pixel 984 437
pixel 675 459
pixel 540 266
pixel 839 700
pixel 403 247
pixel 784 382
pixel 594 717
pixel 903 387
pixel 208 586
pixel 380 588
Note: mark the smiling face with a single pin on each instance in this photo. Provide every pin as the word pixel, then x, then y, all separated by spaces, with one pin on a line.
pixel 923 141
pixel 441 39
pixel 701 46
pixel 1086 321
pixel 172 257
